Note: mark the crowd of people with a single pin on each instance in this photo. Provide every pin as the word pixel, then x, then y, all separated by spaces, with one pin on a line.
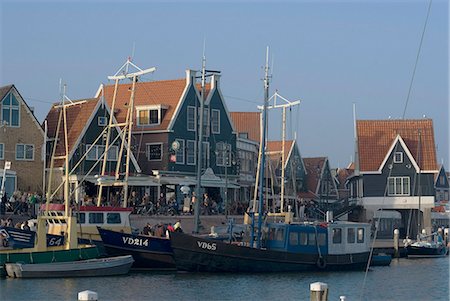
pixel 23 203
pixel 161 230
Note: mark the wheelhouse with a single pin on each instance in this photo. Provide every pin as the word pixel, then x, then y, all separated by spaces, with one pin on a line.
pixel 88 219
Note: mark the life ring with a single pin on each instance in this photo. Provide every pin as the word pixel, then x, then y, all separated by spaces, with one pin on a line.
pixel 321 263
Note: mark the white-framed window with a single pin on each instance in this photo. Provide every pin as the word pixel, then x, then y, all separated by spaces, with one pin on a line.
pixel 25 152
pixel 215 121
pixel 154 151
pixel 10 111
pixel 97 151
pixel 206 122
pixel 243 135
pixel 191 118
pixel 102 121
pixel 2 151
pixel 205 155
pixel 180 152
pixel 398 157
pixel 399 186
pixel 223 154
pixel 191 152
pixel 150 115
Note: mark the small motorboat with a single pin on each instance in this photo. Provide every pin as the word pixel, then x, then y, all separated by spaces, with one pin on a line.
pixel 109 266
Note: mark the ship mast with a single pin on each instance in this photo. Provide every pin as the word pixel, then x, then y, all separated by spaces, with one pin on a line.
pixel 121 74
pixel 263 149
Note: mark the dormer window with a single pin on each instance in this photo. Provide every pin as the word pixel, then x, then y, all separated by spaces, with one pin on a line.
pixel 150 115
pixel 398 157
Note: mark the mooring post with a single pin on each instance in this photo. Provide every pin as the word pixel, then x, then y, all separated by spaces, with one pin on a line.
pixel 396 237
pixel 318 291
pixel 87 296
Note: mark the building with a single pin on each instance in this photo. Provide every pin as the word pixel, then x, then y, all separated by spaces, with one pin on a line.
pixel 21 142
pixel 248 128
pixel 87 121
pixel 395 169
pixel 294 172
pixel 165 125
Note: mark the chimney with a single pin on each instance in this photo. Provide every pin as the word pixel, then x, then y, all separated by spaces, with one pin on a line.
pixel 190 76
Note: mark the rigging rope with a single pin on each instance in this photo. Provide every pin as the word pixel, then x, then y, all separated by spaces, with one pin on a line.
pixel 417 59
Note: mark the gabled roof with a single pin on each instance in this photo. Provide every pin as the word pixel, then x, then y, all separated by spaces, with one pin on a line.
pixel 165 92
pixel 248 122
pixel 342 175
pixel 274 148
pixel 375 138
pixel 5 90
pixel 314 168
pixel 77 117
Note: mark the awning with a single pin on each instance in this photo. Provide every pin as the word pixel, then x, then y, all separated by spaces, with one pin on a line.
pixel 132 181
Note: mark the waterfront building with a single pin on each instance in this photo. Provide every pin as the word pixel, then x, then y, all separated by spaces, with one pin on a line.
pixel 87 120
pixel 21 141
pixel 248 128
pixel 442 186
pixel 165 123
pixel 295 173
pixel 395 169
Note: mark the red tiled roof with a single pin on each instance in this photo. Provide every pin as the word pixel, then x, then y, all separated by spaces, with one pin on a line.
pixel 166 93
pixel 273 150
pixel 375 137
pixel 314 167
pixel 342 175
pixel 77 117
pixel 248 122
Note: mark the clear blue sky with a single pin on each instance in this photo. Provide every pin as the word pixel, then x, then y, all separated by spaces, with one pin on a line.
pixel 329 54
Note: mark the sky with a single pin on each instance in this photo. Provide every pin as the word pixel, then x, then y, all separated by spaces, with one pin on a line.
pixel 331 55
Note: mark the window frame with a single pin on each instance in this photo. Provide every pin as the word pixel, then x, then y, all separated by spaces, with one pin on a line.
pixel 190 120
pixel 215 121
pixel 188 153
pixel 24 152
pixel 102 121
pixel 10 108
pixel 398 157
pixel 337 239
pixel 393 182
pixel 181 151
pixel 2 151
pixel 147 153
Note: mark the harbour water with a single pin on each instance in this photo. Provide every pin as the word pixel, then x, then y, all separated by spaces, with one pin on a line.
pixel 405 279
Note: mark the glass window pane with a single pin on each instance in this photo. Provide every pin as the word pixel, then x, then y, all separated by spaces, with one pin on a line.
pixel 351 235
pixel 337 235
pixel 154 117
pixel 113 218
pixel 293 238
pixel 180 152
pixel 91 155
pixel 29 152
pixel 14 101
pixel 14 117
pixel 7 100
pixel 398 185
pixel 322 239
pixel 143 117
pixel 312 239
pixel 96 218
pixel 406 186
pixel 113 153
pixel 303 238
pixel 5 115
pixel 20 151
pixel 360 235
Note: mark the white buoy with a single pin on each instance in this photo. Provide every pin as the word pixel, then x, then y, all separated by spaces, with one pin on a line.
pixel 342 298
pixel 87 296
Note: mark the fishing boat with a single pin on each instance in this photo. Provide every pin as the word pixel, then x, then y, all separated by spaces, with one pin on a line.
pixel 110 266
pixel 149 252
pixel 275 246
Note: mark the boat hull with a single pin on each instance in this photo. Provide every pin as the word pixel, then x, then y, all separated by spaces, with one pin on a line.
pixel 197 254
pixel 51 255
pixel 149 253
pixel 83 268
pixel 425 252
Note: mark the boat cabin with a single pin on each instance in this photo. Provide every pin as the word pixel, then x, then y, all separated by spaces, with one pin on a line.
pixel 89 218
pixel 330 238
